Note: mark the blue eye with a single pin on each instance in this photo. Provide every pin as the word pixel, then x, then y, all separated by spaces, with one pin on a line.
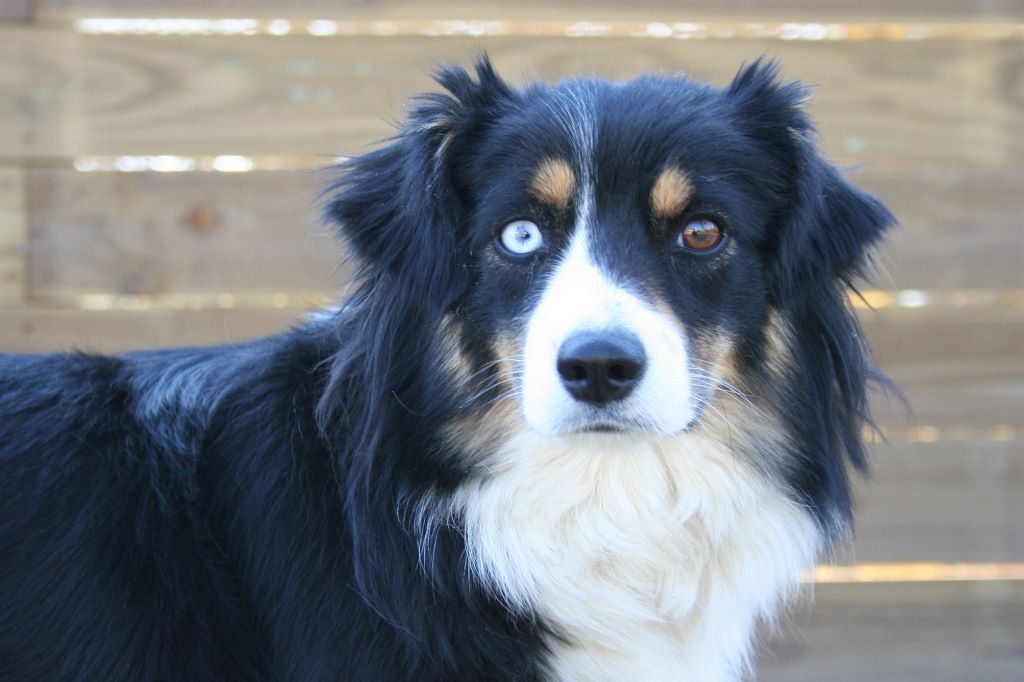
pixel 521 237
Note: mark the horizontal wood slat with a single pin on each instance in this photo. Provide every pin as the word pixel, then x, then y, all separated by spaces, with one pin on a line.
pixel 934 632
pixel 53 330
pixel 959 227
pixel 74 94
pixel 955 366
pixel 13 234
pixel 138 233
pixel 951 502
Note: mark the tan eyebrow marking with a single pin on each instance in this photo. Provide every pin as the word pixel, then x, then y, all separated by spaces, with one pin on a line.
pixel 671 192
pixel 554 183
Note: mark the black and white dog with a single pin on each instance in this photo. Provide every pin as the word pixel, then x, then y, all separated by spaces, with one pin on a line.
pixel 587 415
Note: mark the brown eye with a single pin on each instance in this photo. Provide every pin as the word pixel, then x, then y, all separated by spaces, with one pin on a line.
pixel 700 234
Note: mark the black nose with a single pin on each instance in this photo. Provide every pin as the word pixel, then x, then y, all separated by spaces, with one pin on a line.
pixel 600 368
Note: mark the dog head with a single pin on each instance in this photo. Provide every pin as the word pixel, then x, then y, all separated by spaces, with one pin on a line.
pixel 612 256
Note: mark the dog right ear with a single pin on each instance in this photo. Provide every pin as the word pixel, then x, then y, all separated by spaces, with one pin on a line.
pixel 830 225
pixel 397 207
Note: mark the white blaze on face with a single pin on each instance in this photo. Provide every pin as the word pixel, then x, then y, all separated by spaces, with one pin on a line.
pixel 579 297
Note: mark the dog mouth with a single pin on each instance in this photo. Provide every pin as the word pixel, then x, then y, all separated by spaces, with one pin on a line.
pixel 605 424
pixel 612 425
pixel 602 427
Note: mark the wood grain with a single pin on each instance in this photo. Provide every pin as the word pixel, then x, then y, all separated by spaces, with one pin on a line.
pixel 930 632
pixel 13 235
pixel 155 233
pixel 40 330
pixel 952 102
pixel 956 366
pixel 943 501
pixel 959 227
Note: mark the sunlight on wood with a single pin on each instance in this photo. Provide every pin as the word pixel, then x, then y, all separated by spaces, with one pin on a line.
pixel 915 572
pixel 719 30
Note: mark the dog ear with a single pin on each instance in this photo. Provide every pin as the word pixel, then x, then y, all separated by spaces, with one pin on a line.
pixel 817 245
pixel 398 208
pixel 827 227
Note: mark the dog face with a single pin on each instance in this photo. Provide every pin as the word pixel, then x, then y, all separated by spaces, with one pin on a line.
pixel 617 237
pixel 614 255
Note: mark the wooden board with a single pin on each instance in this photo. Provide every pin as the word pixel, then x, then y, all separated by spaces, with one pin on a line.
pixel 931 632
pixel 13 235
pixel 157 233
pixel 919 100
pixel 16 10
pixel 51 330
pixel 959 226
pixel 941 502
pixel 160 233
pixel 956 366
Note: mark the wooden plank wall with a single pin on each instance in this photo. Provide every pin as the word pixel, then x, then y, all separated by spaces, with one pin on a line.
pixel 122 227
pixel 930 101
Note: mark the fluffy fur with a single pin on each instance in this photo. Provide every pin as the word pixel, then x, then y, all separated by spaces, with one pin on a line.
pixel 406 488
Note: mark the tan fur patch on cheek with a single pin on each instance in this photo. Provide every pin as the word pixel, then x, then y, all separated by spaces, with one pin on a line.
pixel 456 363
pixel 554 183
pixel 671 193
pixel 738 413
pixel 711 352
pixel 509 353
pixel 778 341
pixel 476 434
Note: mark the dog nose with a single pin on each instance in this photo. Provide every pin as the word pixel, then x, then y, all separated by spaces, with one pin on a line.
pixel 600 368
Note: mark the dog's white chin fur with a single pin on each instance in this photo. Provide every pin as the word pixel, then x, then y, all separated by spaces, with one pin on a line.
pixel 653 561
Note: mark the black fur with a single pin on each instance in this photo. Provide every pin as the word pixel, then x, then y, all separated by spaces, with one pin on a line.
pixel 246 512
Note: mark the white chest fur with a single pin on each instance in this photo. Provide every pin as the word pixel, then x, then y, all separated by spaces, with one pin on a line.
pixel 655 561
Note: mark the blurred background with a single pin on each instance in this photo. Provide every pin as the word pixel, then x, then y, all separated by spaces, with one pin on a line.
pixel 155 189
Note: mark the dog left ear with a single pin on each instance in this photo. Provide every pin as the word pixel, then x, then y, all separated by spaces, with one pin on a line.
pixel 828 226
pixel 398 207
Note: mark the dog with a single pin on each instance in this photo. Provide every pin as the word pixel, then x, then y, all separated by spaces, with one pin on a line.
pixel 591 407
